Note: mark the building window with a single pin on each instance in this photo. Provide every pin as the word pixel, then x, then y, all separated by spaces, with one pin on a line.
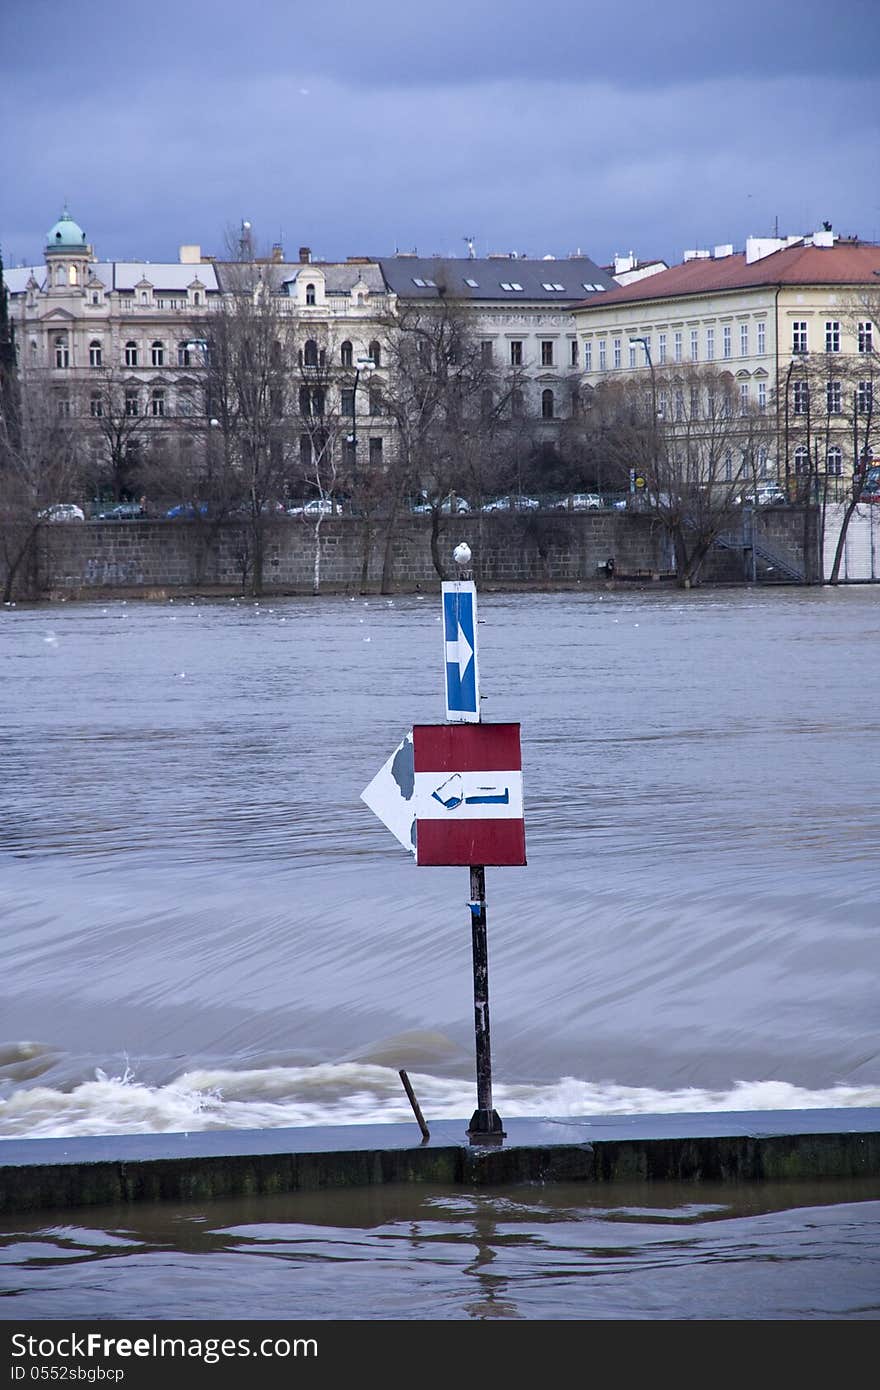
pixel 588 357
pixel 574 352
pixel 744 398
pixel 309 356
pixel 131 355
pixel 603 354
pixel 679 403
pixel 64 406
pixel 516 353
pixel 728 466
pixel 763 461
pixel 801 460
pixel 305 452
pixel 310 294
pixel 95 355
pixel 62 352
pixel 695 345
pixel 866 336
pixel 486 404
pixel 677 341
pixel 375 400
pixel 762 337
pixel 834 462
pixel 726 348
pixel 96 405
pixel 143 296
pixel 801 398
pixel 864 397
pixel 157 402
pixel 346 354
pixel 348 400
pixel 616 356
pixel 517 406
pixel 799 335
pixel 546 352
pixel 695 402
pixel 632 354
pixel 833 397
pixel 375 354
pixel 832 336
pixel 486 352
pixel 157 354
pixel 575 402
pixel 184 356
pixel 547 405
pixel 762 395
pixel 744 340
pixel 132 404
pixel 661 348
pixel 375 451
pixel 710 344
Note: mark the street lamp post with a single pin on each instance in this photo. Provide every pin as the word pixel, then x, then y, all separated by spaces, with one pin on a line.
pixel 646 344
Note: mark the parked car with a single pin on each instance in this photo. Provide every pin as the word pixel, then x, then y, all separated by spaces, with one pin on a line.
pixel 62 511
pixel 451 503
pixel 188 511
pixel 581 502
pixel 318 506
pixel 123 511
pixel 767 497
pixel 516 503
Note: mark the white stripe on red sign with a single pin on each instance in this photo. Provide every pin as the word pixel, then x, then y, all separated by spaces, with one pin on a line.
pixel 468 794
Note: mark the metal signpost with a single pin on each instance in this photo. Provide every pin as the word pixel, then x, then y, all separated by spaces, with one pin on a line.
pixel 452 794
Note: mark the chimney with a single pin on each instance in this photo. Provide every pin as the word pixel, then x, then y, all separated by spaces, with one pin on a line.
pixel 277 251
pixel 305 255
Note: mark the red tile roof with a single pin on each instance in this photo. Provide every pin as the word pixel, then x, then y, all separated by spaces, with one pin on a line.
pixel 845 263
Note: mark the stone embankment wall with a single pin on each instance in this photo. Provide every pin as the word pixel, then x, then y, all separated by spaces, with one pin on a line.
pixel 75 560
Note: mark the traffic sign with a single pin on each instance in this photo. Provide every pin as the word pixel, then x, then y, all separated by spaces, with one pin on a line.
pixel 468 794
pixel 460 651
pixel 452 794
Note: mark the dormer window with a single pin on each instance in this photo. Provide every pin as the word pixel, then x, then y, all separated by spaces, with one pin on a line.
pixel 311 297
pixel 143 296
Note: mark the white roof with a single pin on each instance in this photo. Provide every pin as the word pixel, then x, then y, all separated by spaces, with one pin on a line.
pixel 173 276
pixel 17 276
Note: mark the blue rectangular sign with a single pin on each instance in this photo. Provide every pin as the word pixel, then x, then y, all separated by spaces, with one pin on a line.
pixel 460 651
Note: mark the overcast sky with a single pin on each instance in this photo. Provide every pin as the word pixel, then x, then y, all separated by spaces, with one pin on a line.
pixel 536 126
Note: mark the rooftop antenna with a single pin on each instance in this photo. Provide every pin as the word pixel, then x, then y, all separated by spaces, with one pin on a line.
pixel 469 240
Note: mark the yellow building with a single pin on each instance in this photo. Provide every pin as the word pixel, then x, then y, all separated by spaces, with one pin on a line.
pixel 794 322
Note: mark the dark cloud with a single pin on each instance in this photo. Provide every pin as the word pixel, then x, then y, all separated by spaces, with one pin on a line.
pixel 359 129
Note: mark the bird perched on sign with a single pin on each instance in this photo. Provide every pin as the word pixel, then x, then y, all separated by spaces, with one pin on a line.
pixel 462 554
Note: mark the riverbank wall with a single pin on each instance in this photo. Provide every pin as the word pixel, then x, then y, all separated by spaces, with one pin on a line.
pixel 76 560
pixel 746 1147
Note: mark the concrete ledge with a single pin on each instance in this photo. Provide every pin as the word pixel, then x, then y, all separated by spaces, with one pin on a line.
pixel 752 1146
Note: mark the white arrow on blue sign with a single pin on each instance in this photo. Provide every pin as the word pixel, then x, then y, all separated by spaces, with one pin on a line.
pixel 460 654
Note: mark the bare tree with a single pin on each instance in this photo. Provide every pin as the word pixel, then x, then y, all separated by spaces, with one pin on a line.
pixel 39 465
pixel 248 354
pixel 116 415
pixel 450 406
pixel 325 463
pixel 861 388
pixel 691 446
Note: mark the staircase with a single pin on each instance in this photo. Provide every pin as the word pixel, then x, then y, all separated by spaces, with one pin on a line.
pixel 778 566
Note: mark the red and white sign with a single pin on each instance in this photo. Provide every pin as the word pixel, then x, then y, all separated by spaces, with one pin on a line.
pixel 468 794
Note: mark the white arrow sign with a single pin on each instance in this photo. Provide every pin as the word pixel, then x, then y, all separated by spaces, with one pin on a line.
pixel 391 794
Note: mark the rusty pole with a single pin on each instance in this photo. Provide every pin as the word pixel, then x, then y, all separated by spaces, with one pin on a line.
pixel 485 1126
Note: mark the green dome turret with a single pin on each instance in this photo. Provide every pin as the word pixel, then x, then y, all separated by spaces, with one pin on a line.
pixel 66 234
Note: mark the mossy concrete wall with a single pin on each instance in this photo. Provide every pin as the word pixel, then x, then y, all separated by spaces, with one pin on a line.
pixel 41 1174
pixel 74 560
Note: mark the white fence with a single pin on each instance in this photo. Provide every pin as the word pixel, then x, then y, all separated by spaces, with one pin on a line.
pixel 861 551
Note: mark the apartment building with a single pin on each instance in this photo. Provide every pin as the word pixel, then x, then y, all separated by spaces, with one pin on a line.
pixel 792 320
